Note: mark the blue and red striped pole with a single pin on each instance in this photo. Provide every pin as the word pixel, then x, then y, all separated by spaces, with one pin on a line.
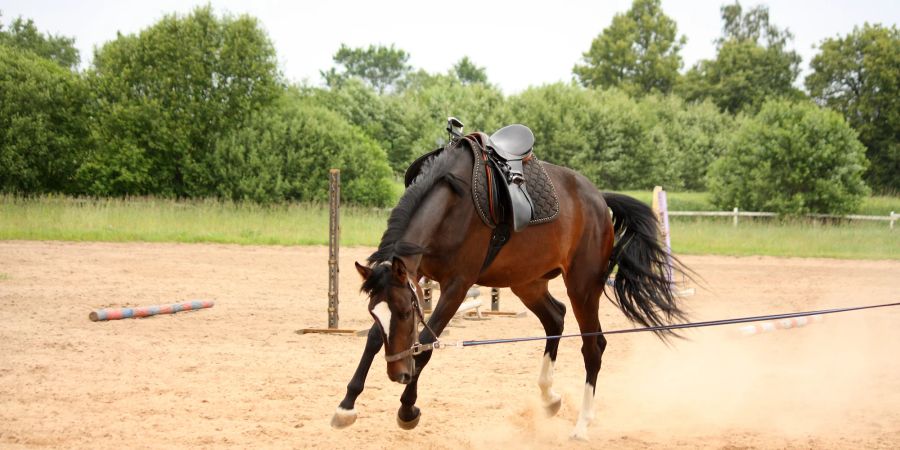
pixel 146 311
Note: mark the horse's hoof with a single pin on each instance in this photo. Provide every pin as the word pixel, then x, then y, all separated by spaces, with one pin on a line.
pixel 553 406
pixel 411 423
pixel 579 433
pixel 579 436
pixel 343 418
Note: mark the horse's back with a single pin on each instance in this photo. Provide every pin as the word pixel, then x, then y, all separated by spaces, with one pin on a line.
pixel 581 226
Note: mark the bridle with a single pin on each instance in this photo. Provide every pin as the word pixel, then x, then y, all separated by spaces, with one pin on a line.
pixel 417 347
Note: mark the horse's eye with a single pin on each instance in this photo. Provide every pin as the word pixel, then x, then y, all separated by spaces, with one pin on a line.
pixel 404 314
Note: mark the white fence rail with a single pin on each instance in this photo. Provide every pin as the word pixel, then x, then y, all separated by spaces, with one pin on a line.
pixel 736 214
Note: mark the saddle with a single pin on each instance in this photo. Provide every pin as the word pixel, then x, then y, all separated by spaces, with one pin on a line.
pixel 504 154
pixel 510 188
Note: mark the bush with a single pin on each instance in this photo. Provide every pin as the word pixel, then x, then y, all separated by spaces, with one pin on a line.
pixel 422 108
pixel 791 158
pixel 285 152
pixel 43 125
pixel 616 142
pixel 687 137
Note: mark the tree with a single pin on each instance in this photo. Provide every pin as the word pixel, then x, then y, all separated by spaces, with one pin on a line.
pixel 751 65
pixel 793 158
pixel 286 150
pixel 638 52
pixel 377 65
pixel 43 123
pixel 687 138
pixel 417 116
pixel 24 35
pixel 468 72
pixel 857 75
pixel 166 94
pixel 601 133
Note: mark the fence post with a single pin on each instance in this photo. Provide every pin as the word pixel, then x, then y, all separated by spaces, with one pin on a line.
pixel 495 299
pixel 426 301
pixel 334 236
pixel 735 216
pixel 893 219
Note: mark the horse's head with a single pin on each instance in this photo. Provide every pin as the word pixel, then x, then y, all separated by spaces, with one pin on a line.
pixel 393 302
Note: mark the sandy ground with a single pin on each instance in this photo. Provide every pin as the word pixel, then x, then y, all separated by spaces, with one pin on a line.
pixel 238 376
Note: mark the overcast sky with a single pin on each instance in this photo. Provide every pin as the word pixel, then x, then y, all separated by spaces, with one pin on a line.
pixel 520 43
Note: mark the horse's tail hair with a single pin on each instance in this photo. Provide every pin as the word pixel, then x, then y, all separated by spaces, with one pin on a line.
pixel 642 288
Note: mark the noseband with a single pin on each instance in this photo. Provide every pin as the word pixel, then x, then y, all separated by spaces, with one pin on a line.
pixel 417 346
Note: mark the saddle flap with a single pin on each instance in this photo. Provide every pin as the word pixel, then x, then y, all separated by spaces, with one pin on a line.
pixel 515 203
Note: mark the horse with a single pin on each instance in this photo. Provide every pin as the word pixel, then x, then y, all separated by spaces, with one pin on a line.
pixel 435 232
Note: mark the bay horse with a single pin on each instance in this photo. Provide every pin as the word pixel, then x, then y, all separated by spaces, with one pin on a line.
pixel 434 231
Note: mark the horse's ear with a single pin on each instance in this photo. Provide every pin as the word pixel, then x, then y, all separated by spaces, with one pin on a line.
pixel 398 268
pixel 364 271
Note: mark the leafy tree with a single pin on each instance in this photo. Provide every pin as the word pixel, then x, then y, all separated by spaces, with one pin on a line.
pixel 751 65
pixel 377 65
pixel 858 76
pixel 753 26
pixel 23 34
pixel 356 102
pixel 792 158
pixel 417 116
pixel 167 93
pixel 43 123
pixel 638 52
pixel 600 133
pixel 468 72
pixel 286 151
pixel 687 137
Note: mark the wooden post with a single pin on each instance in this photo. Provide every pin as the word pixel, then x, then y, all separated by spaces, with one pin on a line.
pixel 893 219
pixel 735 216
pixel 428 290
pixel 334 238
pixel 495 299
pixel 334 245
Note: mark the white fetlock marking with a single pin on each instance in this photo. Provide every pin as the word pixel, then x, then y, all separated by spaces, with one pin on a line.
pixel 345 412
pixel 545 381
pixel 586 415
pixel 383 314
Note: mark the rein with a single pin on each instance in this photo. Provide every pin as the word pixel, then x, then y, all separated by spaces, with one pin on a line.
pixel 709 323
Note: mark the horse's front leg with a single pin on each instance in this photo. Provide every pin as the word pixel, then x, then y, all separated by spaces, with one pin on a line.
pixel 346 411
pixel 451 297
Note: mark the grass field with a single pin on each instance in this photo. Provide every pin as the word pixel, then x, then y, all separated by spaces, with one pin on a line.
pixel 159 220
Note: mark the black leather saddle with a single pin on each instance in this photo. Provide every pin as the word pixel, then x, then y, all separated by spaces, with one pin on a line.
pixel 505 153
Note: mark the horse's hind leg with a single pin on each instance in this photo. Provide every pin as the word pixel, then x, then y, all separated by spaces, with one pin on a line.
pixel 584 290
pixel 346 411
pixel 551 313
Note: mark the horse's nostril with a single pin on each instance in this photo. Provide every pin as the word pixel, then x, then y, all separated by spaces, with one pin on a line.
pixel 404 378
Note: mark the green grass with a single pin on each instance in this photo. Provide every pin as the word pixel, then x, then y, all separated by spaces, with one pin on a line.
pixel 855 240
pixel 160 220
pixel 881 205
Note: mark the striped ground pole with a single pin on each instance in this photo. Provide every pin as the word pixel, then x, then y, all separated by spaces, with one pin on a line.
pixel 146 311
pixel 781 324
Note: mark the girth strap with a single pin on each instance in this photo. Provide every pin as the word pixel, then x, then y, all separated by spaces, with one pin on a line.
pixel 499 238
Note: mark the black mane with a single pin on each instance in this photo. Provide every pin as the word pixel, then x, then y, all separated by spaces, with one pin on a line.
pixel 433 171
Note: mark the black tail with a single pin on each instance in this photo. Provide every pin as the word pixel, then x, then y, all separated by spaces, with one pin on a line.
pixel 642 287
